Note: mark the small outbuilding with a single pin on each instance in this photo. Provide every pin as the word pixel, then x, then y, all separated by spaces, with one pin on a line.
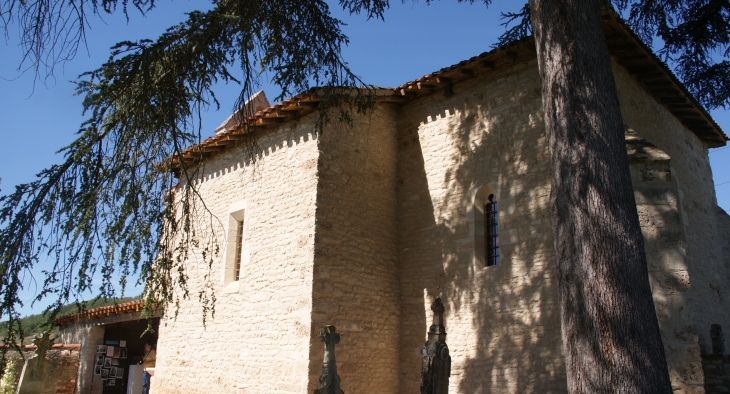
pixel 112 339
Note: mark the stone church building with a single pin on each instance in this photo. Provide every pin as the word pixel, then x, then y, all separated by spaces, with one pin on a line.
pixel 364 225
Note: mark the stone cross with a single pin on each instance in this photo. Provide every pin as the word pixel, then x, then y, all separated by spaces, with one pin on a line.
pixel 35 370
pixel 329 382
pixel 42 344
pixel 435 358
pixel 438 318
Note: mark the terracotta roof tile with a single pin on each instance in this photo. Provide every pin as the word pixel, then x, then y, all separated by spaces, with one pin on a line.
pixel 125 307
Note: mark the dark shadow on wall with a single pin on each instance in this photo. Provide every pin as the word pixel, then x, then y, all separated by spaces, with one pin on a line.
pixel 660 216
pixel 502 322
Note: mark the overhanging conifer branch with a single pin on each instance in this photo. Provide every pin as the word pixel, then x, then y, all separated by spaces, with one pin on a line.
pixel 102 209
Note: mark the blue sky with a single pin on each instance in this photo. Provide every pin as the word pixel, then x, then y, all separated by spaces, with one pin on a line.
pixel 40 117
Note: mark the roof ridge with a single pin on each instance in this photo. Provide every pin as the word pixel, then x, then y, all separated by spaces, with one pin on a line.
pixel 672 94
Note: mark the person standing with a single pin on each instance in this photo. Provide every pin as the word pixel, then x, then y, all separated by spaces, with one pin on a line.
pixel 148 363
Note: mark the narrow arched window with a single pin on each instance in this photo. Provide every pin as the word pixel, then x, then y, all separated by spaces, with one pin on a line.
pixel 491 232
pixel 237 252
pixel 239 249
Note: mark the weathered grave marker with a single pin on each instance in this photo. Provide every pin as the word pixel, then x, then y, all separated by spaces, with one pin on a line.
pixel 33 378
pixel 436 361
pixel 329 382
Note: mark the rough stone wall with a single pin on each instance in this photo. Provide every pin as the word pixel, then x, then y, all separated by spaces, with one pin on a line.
pixel 502 321
pixel 61 366
pixel 689 281
pixel 19 359
pixel 259 339
pixel 657 202
pixel 355 265
pixel 723 221
pixel 717 373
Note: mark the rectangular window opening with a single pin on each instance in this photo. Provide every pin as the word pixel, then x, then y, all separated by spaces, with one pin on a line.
pixel 491 233
pixel 239 247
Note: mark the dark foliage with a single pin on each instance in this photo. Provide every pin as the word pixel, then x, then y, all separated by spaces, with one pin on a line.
pixel 694 35
pixel 101 212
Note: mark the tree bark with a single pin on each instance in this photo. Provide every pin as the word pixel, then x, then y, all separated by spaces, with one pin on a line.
pixel 610 332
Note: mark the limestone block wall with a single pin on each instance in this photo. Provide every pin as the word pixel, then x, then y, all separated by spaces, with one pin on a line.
pixel 88 335
pixel 657 203
pixel 723 222
pixel 503 322
pixel 709 290
pixel 717 373
pixel 258 341
pixel 355 284
pixel 61 366
pixel 689 279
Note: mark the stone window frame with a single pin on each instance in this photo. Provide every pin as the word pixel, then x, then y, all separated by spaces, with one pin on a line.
pixel 476 219
pixel 236 214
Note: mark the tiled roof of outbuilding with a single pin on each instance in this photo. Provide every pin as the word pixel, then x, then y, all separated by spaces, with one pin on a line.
pixel 102 311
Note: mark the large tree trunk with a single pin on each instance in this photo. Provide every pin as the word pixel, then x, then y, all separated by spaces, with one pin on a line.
pixel 610 331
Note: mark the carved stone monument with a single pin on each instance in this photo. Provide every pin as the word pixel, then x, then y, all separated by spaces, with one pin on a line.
pixel 329 382
pixel 33 378
pixel 436 361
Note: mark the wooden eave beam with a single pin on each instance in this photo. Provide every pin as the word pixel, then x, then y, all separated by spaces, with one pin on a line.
pixel 659 84
pixel 640 69
pixel 621 44
pixel 263 122
pixel 696 123
pixel 680 106
pixel 211 148
pixel 307 104
pixel 392 99
pixel 274 119
pixel 440 80
pixel 689 115
pixel 233 137
pixel 469 73
pixel 423 86
pixel 652 75
pixel 277 114
pixel 673 100
pixel 291 108
pixel 448 90
pixel 634 58
pixel 667 92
